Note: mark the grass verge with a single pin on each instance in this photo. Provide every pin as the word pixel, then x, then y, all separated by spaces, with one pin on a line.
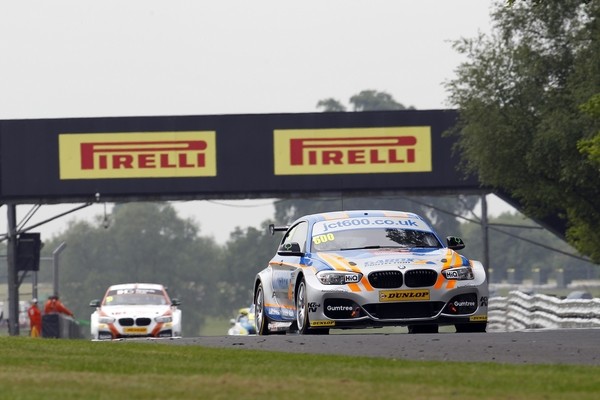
pixel 76 369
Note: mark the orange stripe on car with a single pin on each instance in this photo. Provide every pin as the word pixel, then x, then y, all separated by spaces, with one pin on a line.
pixel 440 282
pixel 366 284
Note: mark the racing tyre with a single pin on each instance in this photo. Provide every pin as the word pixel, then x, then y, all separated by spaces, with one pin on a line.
pixel 465 328
pixel 301 309
pixel 260 317
pixel 430 328
pixel 302 324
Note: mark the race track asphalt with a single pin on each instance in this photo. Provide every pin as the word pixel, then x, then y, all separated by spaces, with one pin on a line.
pixel 567 346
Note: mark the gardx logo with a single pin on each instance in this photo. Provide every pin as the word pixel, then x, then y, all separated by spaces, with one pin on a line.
pixel 137 155
pixel 352 150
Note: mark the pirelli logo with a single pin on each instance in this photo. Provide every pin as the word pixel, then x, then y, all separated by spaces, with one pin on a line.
pixel 352 150
pixel 137 155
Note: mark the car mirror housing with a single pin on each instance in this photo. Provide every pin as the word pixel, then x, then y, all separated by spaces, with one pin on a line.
pixel 95 303
pixel 175 301
pixel 290 249
pixel 455 243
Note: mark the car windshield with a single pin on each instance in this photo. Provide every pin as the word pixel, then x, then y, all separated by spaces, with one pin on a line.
pixel 363 234
pixel 129 297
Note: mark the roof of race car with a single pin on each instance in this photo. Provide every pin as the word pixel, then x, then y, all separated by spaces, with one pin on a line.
pixel 136 285
pixel 360 213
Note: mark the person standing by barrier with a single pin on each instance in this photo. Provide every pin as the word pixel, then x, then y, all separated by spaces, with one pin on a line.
pixel 55 306
pixel 35 319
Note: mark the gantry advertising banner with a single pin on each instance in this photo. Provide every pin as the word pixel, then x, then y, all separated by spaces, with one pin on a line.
pixel 227 156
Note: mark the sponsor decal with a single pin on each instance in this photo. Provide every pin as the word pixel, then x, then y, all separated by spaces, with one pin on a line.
pixel 339 308
pixel 352 150
pixel 404 295
pixel 464 304
pixel 134 330
pixel 476 318
pixel 352 278
pixel 322 323
pixel 483 302
pixel 137 155
pixel 313 306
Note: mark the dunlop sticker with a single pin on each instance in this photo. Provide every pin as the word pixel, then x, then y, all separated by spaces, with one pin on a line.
pixel 403 295
pixel 322 323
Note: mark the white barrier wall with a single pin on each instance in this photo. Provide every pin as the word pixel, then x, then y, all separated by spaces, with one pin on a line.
pixel 519 311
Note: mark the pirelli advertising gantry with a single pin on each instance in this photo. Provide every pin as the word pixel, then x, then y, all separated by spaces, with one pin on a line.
pixel 227 156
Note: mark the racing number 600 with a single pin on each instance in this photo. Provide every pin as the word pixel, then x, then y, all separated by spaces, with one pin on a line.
pixel 323 238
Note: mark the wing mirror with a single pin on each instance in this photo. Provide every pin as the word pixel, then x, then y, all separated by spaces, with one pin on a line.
pixel 290 249
pixel 95 303
pixel 455 243
pixel 175 301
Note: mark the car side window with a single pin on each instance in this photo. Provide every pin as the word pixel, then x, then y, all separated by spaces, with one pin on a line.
pixel 297 234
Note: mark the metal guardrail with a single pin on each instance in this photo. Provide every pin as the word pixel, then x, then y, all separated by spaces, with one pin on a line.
pixel 521 311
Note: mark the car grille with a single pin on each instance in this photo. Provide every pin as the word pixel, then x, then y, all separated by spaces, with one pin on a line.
pixel 420 278
pixel 138 321
pixel 404 310
pixel 385 279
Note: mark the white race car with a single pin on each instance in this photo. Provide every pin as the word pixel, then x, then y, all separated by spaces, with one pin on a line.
pixel 369 268
pixel 135 310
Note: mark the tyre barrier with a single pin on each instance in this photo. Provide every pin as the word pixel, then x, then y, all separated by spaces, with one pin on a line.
pixel 60 326
pixel 522 311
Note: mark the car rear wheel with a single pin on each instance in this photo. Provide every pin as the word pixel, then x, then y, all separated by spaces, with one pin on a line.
pixel 465 328
pixel 428 328
pixel 260 318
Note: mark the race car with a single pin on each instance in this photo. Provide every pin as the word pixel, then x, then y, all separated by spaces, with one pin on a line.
pixel 368 268
pixel 133 310
pixel 243 324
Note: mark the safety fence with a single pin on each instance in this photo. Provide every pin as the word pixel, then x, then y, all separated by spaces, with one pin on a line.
pixel 520 311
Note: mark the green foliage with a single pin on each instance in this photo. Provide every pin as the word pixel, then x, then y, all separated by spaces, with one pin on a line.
pixel 372 100
pixel 366 100
pixel 331 105
pixel 519 99
pixel 246 253
pixel 591 147
pixel 508 252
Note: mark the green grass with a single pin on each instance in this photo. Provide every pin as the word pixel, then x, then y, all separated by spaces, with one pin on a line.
pixel 77 369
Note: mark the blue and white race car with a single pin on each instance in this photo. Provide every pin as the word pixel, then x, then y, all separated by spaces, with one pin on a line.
pixel 368 268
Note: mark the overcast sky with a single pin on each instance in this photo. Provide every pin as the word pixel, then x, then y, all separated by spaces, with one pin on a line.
pixel 81 58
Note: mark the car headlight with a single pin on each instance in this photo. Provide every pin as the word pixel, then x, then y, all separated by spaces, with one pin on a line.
pixel 164 319
pixel 459 274
pixel 338 277
pixel 106 320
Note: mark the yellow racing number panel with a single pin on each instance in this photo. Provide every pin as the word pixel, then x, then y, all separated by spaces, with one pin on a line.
pixel 329 237
pixel 135 331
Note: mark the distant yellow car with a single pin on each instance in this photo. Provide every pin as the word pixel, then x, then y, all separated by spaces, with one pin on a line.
pixel 243 324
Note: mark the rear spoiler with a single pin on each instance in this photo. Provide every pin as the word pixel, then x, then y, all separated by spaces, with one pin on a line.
pixel 273 228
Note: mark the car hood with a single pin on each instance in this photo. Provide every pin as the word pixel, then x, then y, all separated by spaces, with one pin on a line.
pixel 135 311
pixel 367 260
